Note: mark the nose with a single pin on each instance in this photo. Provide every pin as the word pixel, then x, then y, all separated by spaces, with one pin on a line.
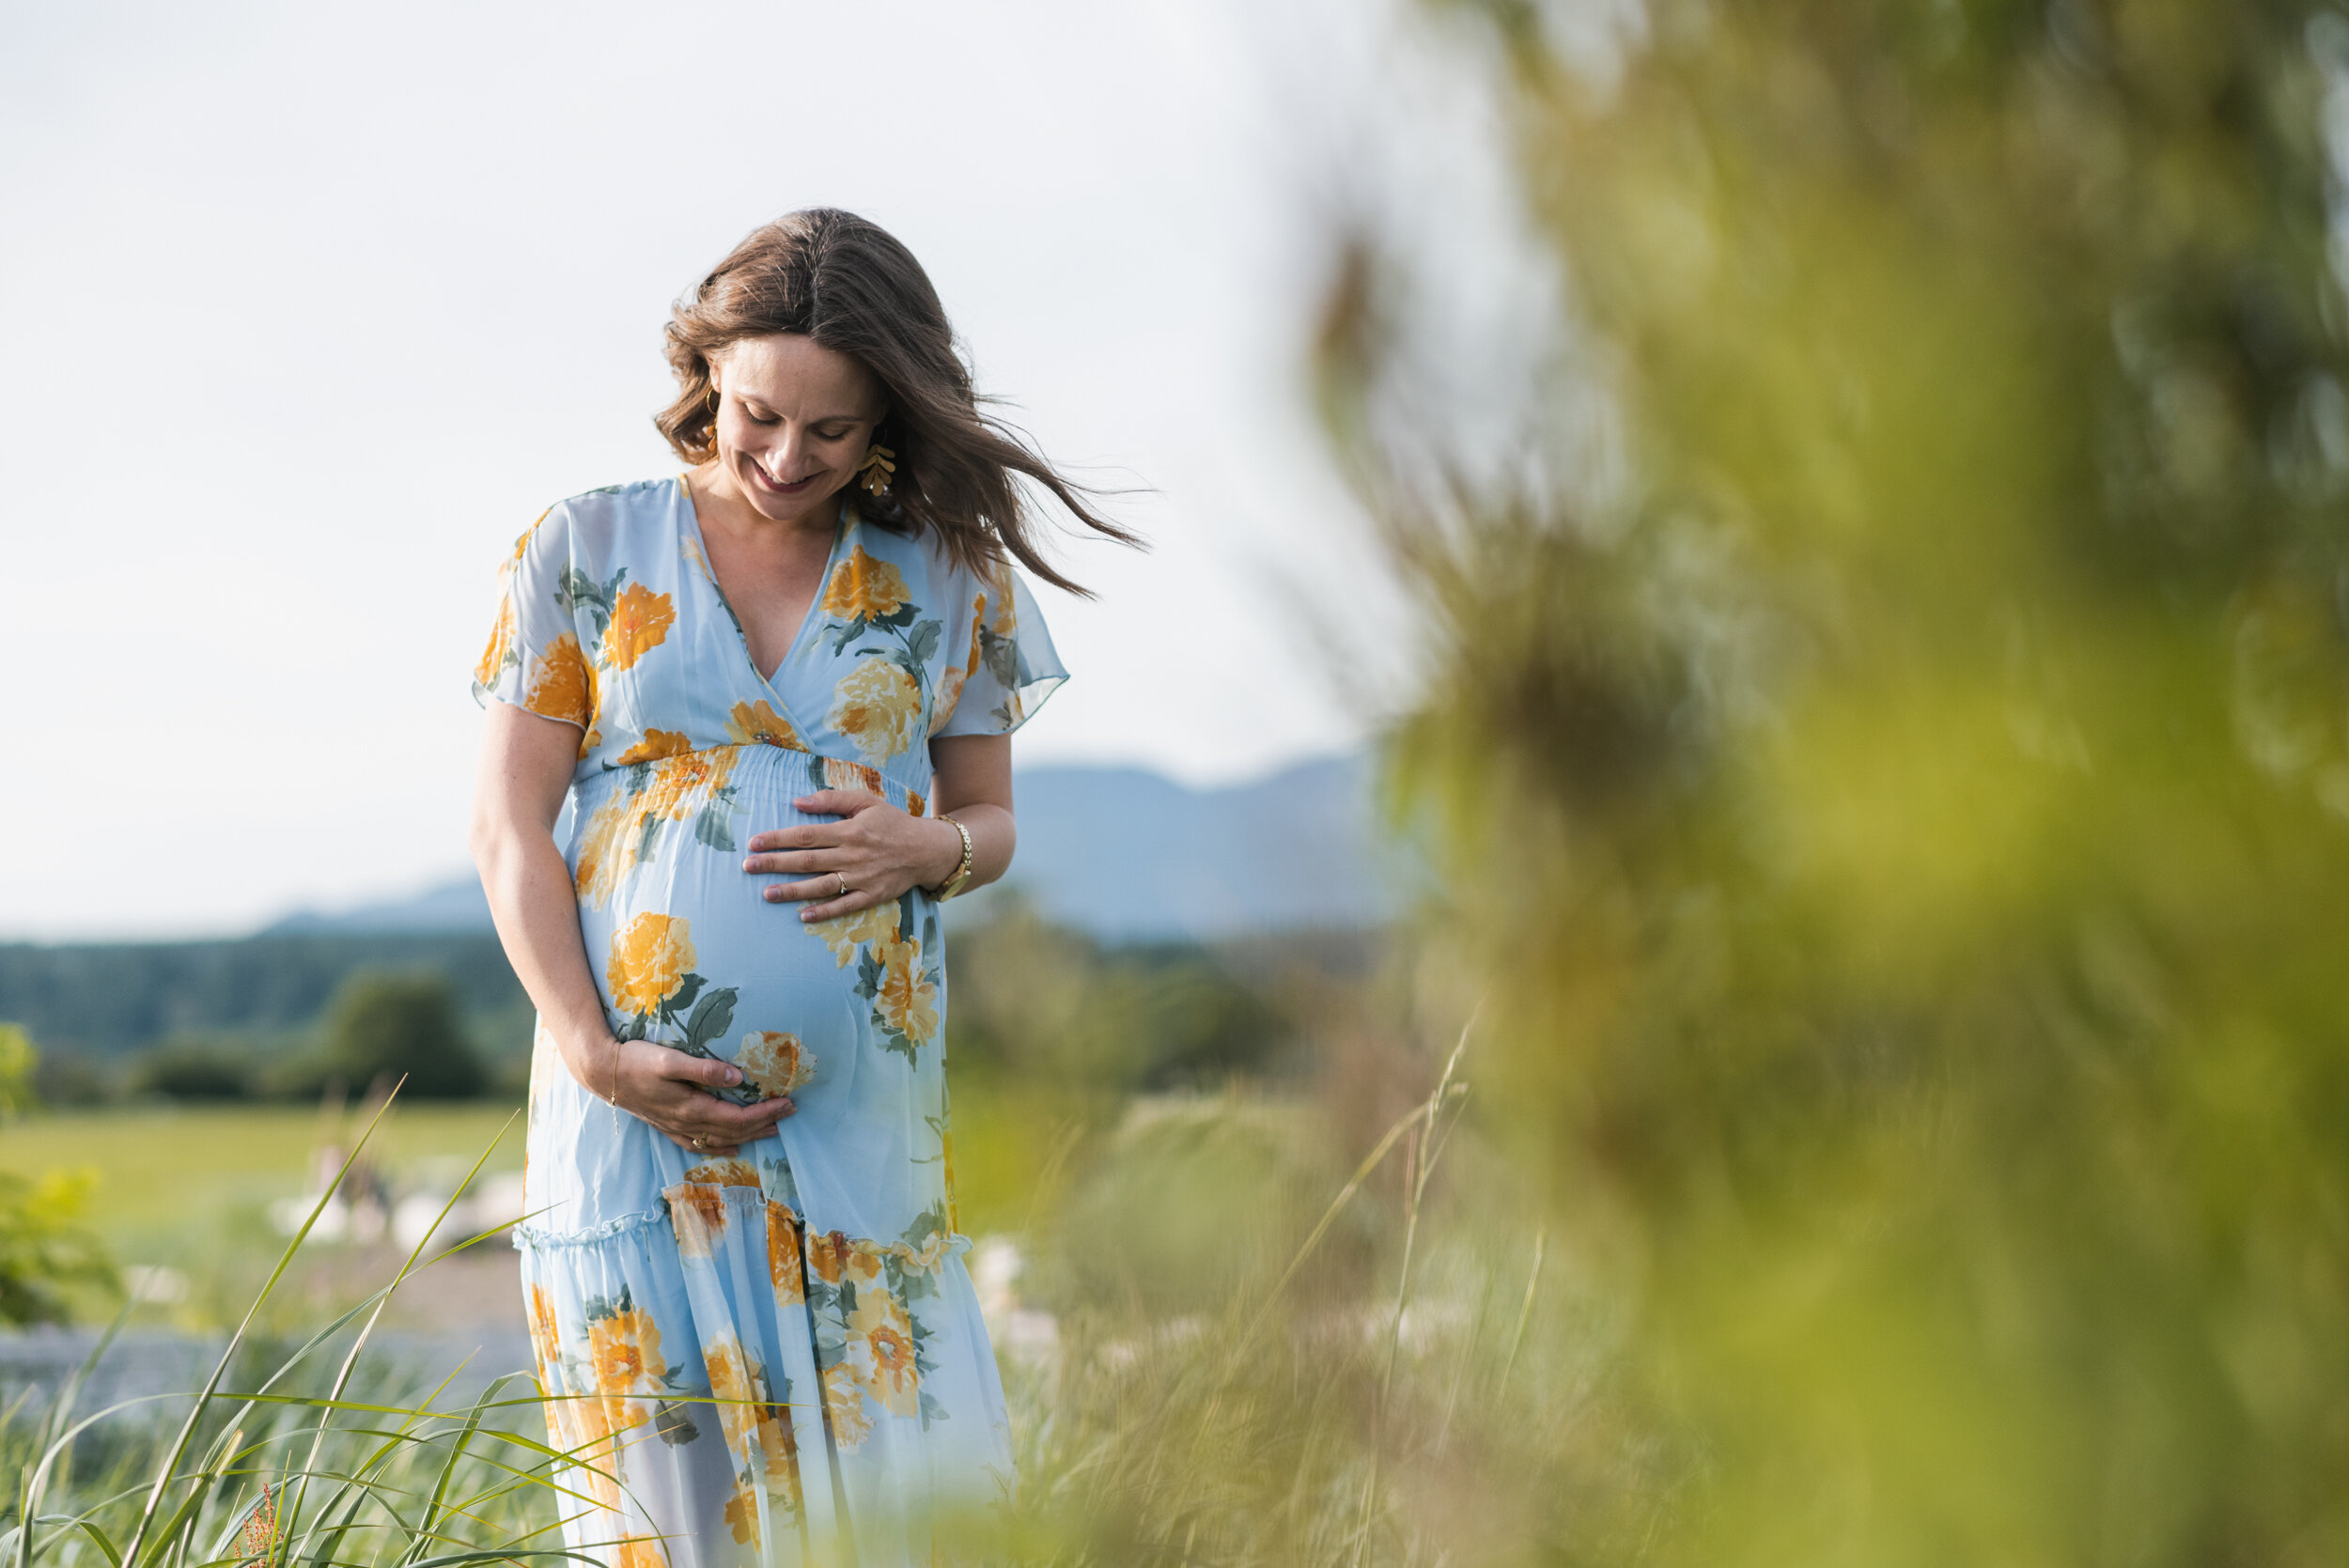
pixel 789 454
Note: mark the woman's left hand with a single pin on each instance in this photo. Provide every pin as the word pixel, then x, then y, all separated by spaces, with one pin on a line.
pixel 875 852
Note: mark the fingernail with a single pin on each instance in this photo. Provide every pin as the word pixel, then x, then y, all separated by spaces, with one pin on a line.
pixel 807 914
pixel 772 896
pixel 734 1075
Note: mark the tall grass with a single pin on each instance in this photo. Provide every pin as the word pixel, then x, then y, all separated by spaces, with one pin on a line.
pixel 1269 1352
pixel 293 1470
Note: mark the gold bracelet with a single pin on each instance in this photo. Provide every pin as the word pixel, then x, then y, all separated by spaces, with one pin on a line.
pixel 961 874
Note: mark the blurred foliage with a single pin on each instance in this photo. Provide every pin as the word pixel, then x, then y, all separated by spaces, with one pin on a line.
pixel 1046 1004
pixel 194 1069
pixel 104 997
pixel 43 1251
pixel 19 1062
pixel 1905 817
pixel 383 1027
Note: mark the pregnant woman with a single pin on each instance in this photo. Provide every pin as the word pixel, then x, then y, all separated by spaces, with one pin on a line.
pixel 778 690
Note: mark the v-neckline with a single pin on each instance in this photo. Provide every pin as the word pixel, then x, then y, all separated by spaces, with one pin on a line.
pixel 693 517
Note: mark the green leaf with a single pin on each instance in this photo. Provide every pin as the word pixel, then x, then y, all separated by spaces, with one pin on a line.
pixel 672 1424
pixel 923 643
pixel 689 986
pixel 710 827
pixel 712 1018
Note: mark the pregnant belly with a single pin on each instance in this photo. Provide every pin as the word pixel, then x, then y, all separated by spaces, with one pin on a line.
pixel 687 952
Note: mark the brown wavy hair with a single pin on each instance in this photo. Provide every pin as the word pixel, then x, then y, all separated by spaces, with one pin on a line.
pixel 849 284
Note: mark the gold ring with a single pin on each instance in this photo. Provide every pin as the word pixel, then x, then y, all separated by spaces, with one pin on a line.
pixel 844 884
pixel 697 1140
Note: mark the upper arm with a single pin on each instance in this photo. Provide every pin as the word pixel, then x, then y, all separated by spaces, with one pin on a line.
pixel 526 764
pixel 971 770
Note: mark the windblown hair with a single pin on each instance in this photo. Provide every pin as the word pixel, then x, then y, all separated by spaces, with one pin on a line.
pixel 849 284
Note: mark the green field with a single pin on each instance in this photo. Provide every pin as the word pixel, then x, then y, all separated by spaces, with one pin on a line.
pixel 165 1171
pixel 190 1188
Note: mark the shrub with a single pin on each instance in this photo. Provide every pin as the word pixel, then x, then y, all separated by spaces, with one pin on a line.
pixel 401 1026
pixel 194 1070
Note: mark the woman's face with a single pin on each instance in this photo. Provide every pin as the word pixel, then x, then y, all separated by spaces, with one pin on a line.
pixel 794 420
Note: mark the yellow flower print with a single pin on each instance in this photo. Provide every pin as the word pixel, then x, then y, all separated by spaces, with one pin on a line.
pixel 734 1386
pixel 743 1516
pixel 881 1352
pixel 861 1263
pixel 783 1455
pixel 906 1000
pixel 649 959
pixel 774 1062
pixel 586 1437
pixel 923 1259
pixel 950 678
pixel 678 786
pixel 726 1172
pixel 626 1350
pixel 561 686
pixel 845 934
pixel 759 721
pixel 640 1552
pixel 1006 620
pixel 843 1406
pixel 783 1256
pixel 864 588
pixel 853 775
pixel 697 1213
pixel 656 745
pixel 602 854
pixel 827 1255
pixel 640 623
pixel 681 785
pixel 546 1342
pixel 501 644
pixel 877 706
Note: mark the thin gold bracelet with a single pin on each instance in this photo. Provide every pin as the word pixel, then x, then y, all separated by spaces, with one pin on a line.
pixel 961 874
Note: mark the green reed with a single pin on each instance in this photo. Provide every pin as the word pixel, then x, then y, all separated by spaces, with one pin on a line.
pixel 282 1472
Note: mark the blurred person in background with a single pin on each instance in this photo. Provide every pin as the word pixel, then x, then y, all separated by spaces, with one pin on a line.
pixel 778 690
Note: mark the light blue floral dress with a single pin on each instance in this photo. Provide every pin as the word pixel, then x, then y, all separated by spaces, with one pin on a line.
pixel 775 1357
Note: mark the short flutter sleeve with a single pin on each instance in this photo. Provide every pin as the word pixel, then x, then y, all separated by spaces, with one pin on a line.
pixel 1011 666
pixel 533 659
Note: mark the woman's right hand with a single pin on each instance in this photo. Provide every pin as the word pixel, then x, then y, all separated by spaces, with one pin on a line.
pixel 665 1089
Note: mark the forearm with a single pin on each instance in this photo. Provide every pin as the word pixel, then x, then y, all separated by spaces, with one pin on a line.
pixel 529 889
pixel 993 837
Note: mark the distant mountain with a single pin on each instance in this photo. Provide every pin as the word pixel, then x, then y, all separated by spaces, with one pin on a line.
pixel 1120 852
pixel 458 906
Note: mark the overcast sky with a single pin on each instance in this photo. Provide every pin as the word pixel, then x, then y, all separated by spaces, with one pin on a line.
pixel 309 309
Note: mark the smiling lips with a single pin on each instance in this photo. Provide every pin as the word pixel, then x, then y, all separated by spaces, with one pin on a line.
pixel 796 487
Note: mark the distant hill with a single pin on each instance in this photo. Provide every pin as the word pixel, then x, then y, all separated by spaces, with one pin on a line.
pixel 1120 853
pixel 1123 853
pixel 109 997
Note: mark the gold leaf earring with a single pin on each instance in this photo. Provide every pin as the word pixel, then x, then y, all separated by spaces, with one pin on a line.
pixel 877 469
